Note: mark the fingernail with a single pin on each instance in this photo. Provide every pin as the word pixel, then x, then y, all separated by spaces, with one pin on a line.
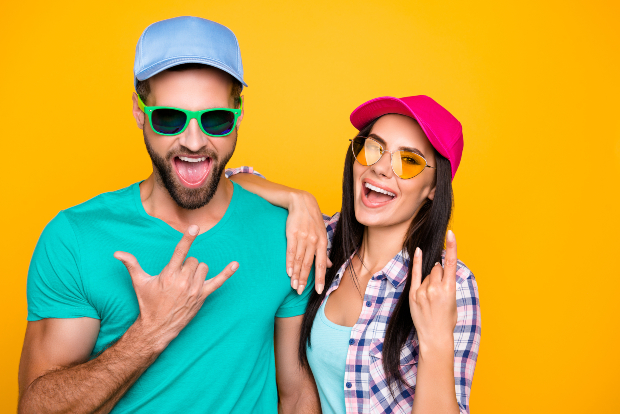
pixel 418 252
pixel 451 236
pixel 319 288
pixel 295 284
pixel 234 266
pixel 301 289
pixel 437 263
pixel 193 229
pixel 289 271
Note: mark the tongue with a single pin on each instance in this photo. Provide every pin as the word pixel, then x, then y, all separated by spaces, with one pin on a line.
pixel 375 197
pixel 191 172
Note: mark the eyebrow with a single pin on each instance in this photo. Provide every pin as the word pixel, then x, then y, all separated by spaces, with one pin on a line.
pixel 382 142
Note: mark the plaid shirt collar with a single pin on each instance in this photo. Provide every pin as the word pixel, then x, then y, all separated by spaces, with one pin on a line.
pixel 395 271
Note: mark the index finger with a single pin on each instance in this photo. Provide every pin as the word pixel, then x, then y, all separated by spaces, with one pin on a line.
pixel 180 252
pixel 449 267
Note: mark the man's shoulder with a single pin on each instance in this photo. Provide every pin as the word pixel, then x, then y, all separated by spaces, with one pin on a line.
pixel 258 208
pixel 102 207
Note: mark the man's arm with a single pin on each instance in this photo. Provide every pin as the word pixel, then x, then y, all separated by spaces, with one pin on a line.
pixel 55 376
pixel 296 387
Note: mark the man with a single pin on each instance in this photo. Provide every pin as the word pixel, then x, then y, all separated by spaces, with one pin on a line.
pixel 146 333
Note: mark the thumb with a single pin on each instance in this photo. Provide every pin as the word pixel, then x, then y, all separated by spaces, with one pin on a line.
pixel 132 265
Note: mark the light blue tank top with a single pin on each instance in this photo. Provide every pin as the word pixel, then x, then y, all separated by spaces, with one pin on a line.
pixel 327 358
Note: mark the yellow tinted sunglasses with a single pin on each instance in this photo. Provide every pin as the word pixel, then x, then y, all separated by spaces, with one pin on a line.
pixel 405 164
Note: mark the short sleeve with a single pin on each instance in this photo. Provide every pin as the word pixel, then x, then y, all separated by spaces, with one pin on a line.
pixel 294 304
pixel 54 287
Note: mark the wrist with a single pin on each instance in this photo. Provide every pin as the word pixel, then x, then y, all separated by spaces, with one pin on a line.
pixel 295 198
pixel 151 339
pixel 437 347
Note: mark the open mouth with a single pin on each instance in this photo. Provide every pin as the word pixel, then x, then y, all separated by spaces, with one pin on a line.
pixel 192 171
pixel 374 196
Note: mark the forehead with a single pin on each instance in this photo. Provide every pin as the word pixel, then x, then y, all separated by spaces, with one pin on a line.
pixel 195 89
pixel 401 131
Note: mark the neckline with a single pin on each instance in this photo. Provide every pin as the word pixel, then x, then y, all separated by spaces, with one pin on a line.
pixel 234 201
pixel 329 323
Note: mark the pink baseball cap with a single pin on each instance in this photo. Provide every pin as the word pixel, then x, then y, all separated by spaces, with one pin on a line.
pixel 442 129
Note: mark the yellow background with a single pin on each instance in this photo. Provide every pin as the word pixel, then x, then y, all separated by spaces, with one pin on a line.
pixel 534 83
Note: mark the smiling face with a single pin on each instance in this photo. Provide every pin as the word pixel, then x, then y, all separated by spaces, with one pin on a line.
pixel 190 165
pixel 382 199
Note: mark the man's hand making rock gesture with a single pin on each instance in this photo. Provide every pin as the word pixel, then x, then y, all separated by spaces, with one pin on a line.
pixel 170 300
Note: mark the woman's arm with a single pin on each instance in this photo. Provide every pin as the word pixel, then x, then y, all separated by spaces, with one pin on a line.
pixel 305 230
pixel 434 312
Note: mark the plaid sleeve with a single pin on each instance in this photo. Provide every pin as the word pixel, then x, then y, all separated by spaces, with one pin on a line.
pixel 248 170
pixel 330 225
pixel 466 335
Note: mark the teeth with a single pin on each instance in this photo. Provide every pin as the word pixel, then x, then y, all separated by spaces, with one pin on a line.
pixel 379 190
pixel 187 159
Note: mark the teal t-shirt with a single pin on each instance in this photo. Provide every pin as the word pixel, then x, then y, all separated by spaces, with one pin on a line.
pixel 223 360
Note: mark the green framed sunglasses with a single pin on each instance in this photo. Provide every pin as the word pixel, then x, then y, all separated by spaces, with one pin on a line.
pixel 166 120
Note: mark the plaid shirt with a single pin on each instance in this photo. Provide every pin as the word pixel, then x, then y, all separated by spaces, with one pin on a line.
pixel 248 170
pixel 365 388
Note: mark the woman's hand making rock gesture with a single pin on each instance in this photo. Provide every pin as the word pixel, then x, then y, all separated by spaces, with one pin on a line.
pixel 433 301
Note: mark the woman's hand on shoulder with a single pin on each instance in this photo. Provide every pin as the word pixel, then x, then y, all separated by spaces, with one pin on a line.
pixel 306 238
pixel 433 301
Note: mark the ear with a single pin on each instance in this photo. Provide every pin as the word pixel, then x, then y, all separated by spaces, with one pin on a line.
pixel 137 112
pixel 242 111
pixel 431 195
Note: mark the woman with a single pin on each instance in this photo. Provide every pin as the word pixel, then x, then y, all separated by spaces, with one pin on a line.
pixel 395 331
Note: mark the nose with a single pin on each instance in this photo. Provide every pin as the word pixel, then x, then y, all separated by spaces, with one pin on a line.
pixel 193 138
pixel 384 165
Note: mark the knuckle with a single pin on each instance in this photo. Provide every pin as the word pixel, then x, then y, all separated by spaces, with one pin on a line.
pixel 307 265
pixel 321 266
pixel 313 239
pixel 298 260
pixel 303 235
pixel 451 261
pixel 202 269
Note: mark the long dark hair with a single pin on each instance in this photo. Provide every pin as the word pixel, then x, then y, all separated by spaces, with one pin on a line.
pixel 427 231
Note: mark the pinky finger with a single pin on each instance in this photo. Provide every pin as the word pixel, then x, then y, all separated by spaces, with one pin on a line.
pixel 213 284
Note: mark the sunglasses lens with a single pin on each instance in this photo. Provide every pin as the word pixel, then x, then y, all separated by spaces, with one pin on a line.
pixel 218 122
pixel 366 151
pixel 408 164
pixel 168 121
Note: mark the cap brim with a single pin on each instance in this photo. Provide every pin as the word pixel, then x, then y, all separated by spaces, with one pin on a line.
pixel 167 64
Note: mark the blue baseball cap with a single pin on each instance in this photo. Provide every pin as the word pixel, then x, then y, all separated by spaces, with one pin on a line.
pixel 183 40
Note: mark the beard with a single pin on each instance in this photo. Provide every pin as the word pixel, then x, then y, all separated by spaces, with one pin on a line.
pixel 188 198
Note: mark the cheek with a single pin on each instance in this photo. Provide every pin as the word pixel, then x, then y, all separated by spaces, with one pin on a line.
pixel 159 144
pixel 414 194
pixel 358 170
